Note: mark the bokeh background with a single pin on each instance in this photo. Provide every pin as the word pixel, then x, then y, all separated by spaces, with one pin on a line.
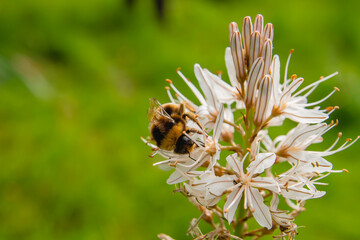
pixel 75 79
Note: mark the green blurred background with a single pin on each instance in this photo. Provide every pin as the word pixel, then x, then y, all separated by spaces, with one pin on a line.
pixel 75 79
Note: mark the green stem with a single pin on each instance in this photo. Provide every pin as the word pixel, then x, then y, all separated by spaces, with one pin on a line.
pixel 239 229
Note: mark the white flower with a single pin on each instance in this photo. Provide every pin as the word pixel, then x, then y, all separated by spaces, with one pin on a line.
pixel 288 104
pixel 247 183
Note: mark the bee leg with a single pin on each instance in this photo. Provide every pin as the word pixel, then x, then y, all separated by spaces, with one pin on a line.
pixel 192 158
pixel 188 106
pixel 193 118
pixel 193 130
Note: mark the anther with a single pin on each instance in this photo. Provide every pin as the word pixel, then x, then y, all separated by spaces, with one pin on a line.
pixel 329 109
pixel 168 80
pixel 178 69
pixel 349 140
pixel 286 186
pixel 339 134
pixel 322 77
pixel 226 210
pixel 167 88
pixel 313 164
pixel 345 170
pixel 253 210
pixel 248 149
pixel 337 89
pixel 150 156
pixel 293 77
pixel 291 51
pixel 317 164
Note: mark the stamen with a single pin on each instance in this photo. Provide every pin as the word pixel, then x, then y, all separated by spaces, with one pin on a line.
pixel 349 142
pixel 321 100
pixel 333 110
pixel 169 94
pixel 314 85
pixel 179 95
pixel 287 67
pixel 335 142
pixel 193 88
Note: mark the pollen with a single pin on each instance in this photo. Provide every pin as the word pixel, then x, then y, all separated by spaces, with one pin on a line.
pixel 293 77
pixel 329 109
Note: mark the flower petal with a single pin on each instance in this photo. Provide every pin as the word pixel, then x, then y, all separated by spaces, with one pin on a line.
pixel 232 204
pixel 206 86
pixel 235 163
pixel 224 92
pixel 266 183
pixel 260 211
pixel 231 68
pixel 219 185
pixel 262 161
pixel 219 123
pixel 303 115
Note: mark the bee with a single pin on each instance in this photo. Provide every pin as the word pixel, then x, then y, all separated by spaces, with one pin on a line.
pixel 168 127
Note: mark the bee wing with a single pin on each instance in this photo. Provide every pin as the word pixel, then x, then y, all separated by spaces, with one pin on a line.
pixel 156 110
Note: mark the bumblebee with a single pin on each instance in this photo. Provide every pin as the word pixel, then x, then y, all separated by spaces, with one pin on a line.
pixel 168 127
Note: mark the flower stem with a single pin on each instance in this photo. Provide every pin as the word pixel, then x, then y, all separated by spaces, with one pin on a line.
pixel 239 229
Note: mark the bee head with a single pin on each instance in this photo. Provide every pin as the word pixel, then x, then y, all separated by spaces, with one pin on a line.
pixel 184 145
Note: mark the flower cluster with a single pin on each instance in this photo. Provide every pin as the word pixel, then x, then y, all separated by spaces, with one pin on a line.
pixel 232 121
